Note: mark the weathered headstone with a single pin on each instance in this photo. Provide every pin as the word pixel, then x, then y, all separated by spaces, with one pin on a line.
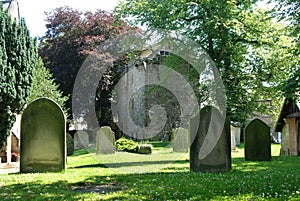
pixel 232 134
pixel 81 140
pixel 210 151
pixel 257 141
pixel 43 137
pixel 70 144
pixel 166 137
pixel 238 135
pixel 180 137
pixel 105 141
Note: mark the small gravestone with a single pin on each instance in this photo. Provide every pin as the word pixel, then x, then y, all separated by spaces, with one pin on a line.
pixel 257 141
pixel 81 140
pixel 70 144
pixel 180 140
pixel 166 137
pixel 238 135
pixel 43 137
pixel 233 142
pixel 210 151
pixel 105 141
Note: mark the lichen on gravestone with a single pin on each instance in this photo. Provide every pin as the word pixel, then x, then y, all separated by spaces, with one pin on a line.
pixel 257 141
pixel 105 141
pixel 81 140
pixel 180 140
pixel 43 137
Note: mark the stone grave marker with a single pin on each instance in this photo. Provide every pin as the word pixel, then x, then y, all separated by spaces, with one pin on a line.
pixel 81 140
pixel 105 141
pixel 211 150
pixel 180 137
pixel 257 141
pixel 238 135
pixel 233 139
pixel 70 144
pixel 43 137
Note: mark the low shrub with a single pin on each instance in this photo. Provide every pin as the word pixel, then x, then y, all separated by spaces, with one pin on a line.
pixel 127 145
pixel 145 149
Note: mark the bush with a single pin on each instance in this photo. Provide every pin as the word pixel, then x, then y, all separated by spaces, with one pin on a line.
pixel 124 144
pixel 70 145
pixel 145 149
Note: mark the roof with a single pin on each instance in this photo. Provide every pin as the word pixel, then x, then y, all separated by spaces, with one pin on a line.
pixel 268 119
pixel 290 109
pixel 12 7
pixel 5 4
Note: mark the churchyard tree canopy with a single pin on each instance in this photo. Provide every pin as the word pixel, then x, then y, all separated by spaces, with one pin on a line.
pixel 235 34
pixel 289 12
pixel 43 86
pixel 18 56
pixel 70 37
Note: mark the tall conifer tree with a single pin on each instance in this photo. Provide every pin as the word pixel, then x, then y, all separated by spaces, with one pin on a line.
pixel 18 56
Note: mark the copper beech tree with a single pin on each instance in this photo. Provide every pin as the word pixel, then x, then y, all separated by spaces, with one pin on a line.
pixel 70 38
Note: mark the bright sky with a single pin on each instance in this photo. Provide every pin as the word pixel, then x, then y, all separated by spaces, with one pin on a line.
pixel 34 11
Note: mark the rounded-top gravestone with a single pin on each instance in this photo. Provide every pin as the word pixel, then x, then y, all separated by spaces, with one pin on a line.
pixel 105 141
pixel 180 140
pixel 43 137
pixel 257 141
pixel 81 140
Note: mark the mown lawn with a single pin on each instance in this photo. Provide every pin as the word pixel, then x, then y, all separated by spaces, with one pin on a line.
pixel 163 175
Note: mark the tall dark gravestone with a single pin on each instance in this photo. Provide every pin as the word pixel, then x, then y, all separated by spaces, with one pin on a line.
pixel 43 137
pixel 257 141
pixel 210 150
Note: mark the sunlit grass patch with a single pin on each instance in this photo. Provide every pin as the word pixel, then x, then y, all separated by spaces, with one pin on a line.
pixel 157 177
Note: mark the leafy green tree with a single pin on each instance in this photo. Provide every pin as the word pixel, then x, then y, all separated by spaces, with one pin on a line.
pixel 43 85
pixel 233 33
pixel 18 56
pixel 289 12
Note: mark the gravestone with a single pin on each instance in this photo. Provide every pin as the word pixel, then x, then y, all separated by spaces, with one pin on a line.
pixel 81 140
pixel 257 141
pixel 105 141
pixel 210 151
pixel 43 137
pixel 180 137
pixel 232 133
pixel 284 150
pixel 70 144
pixel 238 135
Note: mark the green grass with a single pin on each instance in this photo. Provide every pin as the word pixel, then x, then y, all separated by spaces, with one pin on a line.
pixel 163 175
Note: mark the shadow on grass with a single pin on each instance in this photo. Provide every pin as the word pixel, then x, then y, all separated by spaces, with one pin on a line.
pixel 248 180
pixel 36 191
pixel 161 144
pixel 141 163
pixel 80 152
pixel 99 165
pixel 129 164
pixel 278 179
